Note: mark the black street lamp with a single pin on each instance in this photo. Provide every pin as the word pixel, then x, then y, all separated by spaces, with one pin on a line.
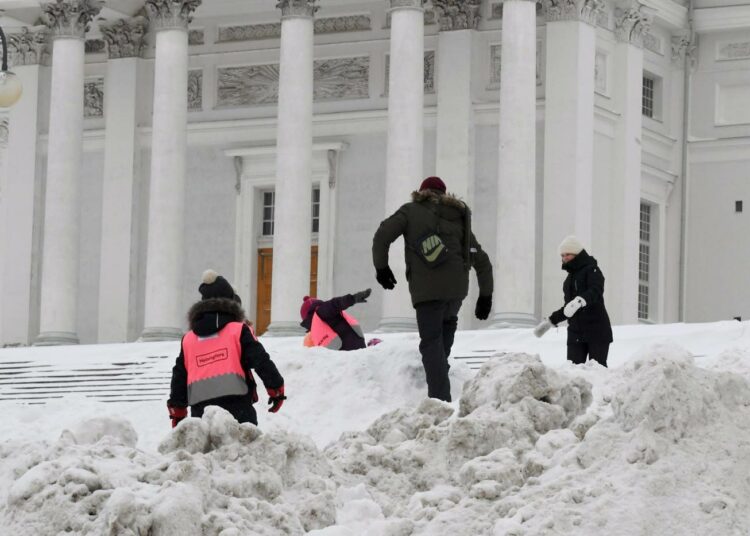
pixel 10 84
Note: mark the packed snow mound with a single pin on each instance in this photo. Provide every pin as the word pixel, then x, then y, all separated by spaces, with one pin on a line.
pixel 215 476
pixel 658 446
pixel 421 462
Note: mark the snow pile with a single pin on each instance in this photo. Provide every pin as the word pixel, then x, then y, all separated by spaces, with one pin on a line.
pixel 214 476
pixel 658 445
pixel 439 471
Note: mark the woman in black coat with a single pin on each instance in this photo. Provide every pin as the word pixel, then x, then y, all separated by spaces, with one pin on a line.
pixel 589 329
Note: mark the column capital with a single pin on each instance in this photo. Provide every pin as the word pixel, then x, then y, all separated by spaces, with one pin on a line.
pixel 297 8
pixel 29 47
pixel 631 23
pixel 70 18
pixel 171 14
pixel 458 14
pixel 577 10
pixel 683 46
pixel 393 5
pixel 125 38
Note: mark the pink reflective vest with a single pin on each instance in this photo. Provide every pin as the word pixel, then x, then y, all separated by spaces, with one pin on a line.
pixel 213 364
pixel 321 334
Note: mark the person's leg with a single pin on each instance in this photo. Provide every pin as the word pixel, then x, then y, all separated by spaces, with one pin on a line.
pixel 450 322
pixel 577 352
pixel 598 351
pixel 434 360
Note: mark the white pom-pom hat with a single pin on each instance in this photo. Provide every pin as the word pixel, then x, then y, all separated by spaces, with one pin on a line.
pixel 570 245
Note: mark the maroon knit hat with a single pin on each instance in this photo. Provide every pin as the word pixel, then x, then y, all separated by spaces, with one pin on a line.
pixel 307 302
pixel 433 183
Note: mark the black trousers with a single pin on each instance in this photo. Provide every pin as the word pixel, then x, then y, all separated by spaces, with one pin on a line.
pixel 241 408
pixel 437 321
pixel 577 352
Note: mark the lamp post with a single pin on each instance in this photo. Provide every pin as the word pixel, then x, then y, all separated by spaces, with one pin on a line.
pixel 10 84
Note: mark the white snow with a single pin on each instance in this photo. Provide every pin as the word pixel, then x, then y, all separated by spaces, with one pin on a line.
pixel 659 443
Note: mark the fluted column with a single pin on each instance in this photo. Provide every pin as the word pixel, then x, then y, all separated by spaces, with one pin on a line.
pixel 165 252
pixel 68 22
pixel 458 21
pixel 515 253
pixel 126 41
pixel 631 23
pixel 27 52
pixel 293 202
pixel 568 134
pixel 405 144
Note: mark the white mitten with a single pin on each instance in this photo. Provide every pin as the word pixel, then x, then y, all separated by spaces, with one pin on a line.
pixel 573 305
pixel 542 328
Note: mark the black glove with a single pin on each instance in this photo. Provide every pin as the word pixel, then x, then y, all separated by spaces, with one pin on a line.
pixel 385 277
pixel 361 297
pixel 484 304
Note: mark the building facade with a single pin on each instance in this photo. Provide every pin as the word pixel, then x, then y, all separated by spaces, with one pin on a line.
pixel 157 138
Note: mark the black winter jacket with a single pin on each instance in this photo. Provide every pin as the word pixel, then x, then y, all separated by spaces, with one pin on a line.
pixel 207 317
pixel 330 313
pixel 589 323
pixel 450 280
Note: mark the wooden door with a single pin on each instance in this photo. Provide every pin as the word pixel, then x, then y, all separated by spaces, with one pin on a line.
pixel 265 271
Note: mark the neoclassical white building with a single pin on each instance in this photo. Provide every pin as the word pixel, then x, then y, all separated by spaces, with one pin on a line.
pixel 157 138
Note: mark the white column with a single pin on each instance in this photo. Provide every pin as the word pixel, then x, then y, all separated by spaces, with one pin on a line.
pixel 120 158
pixel 621 292
pixel 164 313
pixel 455 116
pixel 293 210
pixel 17 214
pixel 515 255
pixel 405 144
pixel 59 291
pixel 568 135
pixel 3 179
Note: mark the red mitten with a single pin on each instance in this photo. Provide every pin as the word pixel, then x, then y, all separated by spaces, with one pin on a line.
pixel 275 397
pixel 176 414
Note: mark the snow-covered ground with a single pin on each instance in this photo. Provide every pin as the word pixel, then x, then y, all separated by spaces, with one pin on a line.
pixel 657 444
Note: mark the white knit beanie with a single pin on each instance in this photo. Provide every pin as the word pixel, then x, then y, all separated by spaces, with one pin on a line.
pixel 570 244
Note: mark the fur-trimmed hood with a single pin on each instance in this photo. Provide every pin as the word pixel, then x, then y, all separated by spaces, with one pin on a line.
pixel 448 199
pixel 209 316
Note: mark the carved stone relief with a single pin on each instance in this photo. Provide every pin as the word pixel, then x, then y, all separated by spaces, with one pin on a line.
pixel 272 30
pixel 29 47
pixel 733 51
pixel 70 18
pixel 126 38
pixel 195 90
pixel 602 18
pixel 496 65
pixel 93 98
pixel 196 37
pixel 171 13
pixel 600 72
pixel 458 14
pixel 95 46
pixel 429 72
pixel 631 24
pixel 333 79
pixel 583 10
pixel 342 78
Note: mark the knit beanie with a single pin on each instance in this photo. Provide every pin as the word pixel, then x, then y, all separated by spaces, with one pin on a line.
pixel 215 286
pixel 571 245
pixel 307 303
pixel 433 183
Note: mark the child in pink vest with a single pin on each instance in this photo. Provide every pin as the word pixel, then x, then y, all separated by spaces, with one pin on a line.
pixel 328 324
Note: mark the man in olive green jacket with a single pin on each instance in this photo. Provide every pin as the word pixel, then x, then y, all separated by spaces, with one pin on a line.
pixel 440 249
